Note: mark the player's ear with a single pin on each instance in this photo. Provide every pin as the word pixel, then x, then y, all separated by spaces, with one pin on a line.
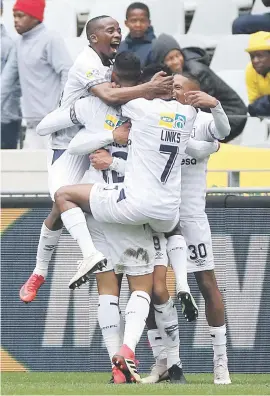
pixel 93 39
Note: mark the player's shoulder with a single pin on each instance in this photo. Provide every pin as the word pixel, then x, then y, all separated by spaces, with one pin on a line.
pixel 88 57
pixel 203 117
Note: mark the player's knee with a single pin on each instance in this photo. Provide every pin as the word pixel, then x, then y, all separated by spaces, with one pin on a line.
pixel 160 291
pixel 208 286
pixel 61 195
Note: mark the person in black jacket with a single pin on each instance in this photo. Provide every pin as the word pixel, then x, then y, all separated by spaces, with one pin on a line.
pixel 141 33
pixel 166 51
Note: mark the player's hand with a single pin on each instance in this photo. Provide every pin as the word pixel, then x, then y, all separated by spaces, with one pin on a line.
pixel 161 86
pixel 101 159
pixel 200 99
pixel 121 133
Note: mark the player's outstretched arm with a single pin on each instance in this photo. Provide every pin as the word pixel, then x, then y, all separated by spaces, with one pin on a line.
pixel 54 121
pixel 201 149
pixel 220 128
pixel 87 141
pixel 160 86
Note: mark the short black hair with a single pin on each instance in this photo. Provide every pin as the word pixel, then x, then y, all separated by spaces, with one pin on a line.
pixel 150 70
pixel 136 6
pixel 92 25
pixel 191 77
pixel 127 66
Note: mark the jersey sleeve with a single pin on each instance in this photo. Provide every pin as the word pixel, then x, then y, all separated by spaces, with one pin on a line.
pixel 251 83
pixel 83 110
pixel 135 109
pixel 89 77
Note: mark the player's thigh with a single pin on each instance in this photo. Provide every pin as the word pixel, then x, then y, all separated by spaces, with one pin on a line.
pixel 64 169
pixel 197 235
pixel 109 205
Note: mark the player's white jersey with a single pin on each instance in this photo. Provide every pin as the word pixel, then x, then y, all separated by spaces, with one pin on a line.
pixel 97 117
pixel 158 138
pixel 86 72
pixel 193 188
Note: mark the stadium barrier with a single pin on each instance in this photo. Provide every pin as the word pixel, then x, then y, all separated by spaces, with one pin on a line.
pixel 59 330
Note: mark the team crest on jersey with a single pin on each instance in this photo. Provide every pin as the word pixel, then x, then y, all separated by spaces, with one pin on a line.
pixel 112 122
pixel 172 120
pixel 91 74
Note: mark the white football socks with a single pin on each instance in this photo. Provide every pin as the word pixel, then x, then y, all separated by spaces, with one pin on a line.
pixel 48 241
pixel 136 313
pixel 219 341
pixel 157 345
pixel 110 323
pixel 75 222
pixel 177 253
pixel 167 323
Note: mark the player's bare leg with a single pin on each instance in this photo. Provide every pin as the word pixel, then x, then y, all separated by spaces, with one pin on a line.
pixel 214 310
pixel 110 318
pixel 136 314
pixel 166 321
pixel 177 253
pixel 71 202
pixel 49 236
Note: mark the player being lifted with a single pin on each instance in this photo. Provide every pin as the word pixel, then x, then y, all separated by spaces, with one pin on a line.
pixel 90 74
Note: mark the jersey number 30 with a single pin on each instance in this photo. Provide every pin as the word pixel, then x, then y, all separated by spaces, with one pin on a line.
pixel 173 152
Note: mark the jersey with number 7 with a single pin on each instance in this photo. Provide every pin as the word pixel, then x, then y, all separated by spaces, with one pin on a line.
pixel 158 138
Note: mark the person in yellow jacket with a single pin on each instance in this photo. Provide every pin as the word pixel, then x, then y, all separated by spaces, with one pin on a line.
pixel 258 74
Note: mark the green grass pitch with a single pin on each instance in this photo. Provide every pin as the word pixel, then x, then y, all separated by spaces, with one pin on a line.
pixel 66 383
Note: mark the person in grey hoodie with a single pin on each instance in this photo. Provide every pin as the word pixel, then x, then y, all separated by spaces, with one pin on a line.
pixel 10 108
pixel 141 33
pixel 42 63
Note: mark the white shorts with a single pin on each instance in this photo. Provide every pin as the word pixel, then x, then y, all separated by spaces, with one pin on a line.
pixel 197 235
pixel 109 205
pixel 65 169
pixel 128 249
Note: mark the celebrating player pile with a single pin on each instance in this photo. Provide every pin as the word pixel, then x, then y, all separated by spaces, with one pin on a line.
pixel 118 237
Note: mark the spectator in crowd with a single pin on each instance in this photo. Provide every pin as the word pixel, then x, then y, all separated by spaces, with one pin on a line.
pixel 10 109
pixel 258 74
pixel 252 23
pixel 42 65
pixel 166 51
pixel 141 33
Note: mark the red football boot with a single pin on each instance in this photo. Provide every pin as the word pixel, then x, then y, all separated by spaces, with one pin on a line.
pixel 29 290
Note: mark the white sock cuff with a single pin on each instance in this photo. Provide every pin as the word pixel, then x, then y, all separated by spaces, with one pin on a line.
pixel 176 241
pixel 218 334
pixel 154 338
pixel 72 217
pixel 141 294
pixel 169 304
pixel 108 299
pixel 45 231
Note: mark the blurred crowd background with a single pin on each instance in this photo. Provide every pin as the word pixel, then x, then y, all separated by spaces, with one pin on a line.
pixel 225 44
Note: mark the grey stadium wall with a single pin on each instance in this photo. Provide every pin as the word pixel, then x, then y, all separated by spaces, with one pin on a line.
pixel 59 331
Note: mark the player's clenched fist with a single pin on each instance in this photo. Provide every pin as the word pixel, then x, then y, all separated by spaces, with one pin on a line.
pixel 101 159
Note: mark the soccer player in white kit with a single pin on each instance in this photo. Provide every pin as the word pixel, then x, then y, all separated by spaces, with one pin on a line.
pixel 90 74
pixel 151 191
pixel 194 225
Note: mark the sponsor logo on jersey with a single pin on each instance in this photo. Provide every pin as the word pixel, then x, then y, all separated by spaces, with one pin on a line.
pixel 189 161
pixel 172 120
pixel 110 122
pixel 92 73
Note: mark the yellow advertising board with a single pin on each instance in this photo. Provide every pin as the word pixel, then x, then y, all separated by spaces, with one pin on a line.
pixel 253 164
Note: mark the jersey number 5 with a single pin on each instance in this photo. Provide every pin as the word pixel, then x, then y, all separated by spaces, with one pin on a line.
pixel 173 152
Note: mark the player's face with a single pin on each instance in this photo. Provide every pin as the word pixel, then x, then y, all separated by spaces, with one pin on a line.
pixel 261 61
pixel 108 37
pixel 181 85
pixel 23 22
pixel 137 23
pixel 175 61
